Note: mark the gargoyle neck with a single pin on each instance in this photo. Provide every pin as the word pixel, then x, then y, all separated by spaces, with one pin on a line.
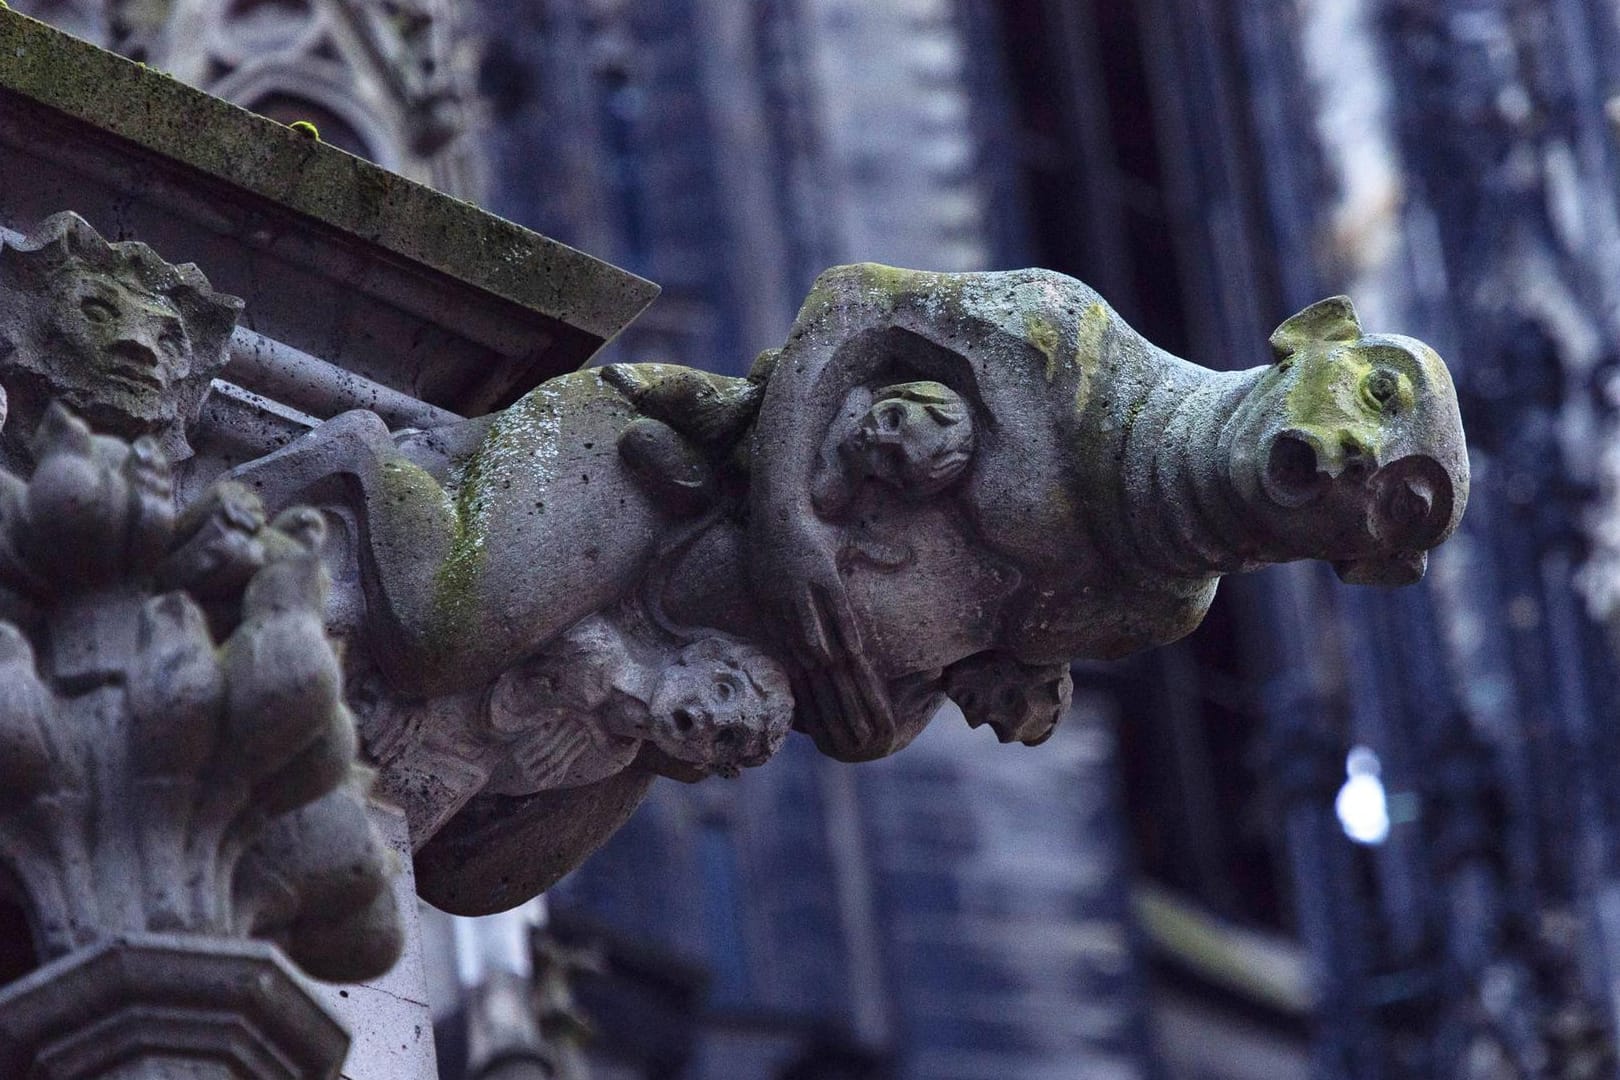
pixel 1178 458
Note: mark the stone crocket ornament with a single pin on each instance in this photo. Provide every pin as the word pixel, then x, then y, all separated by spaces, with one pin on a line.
pixel 178 775
pixel 941 485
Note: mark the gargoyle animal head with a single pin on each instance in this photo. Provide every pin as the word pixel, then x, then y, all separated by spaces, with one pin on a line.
pixel 1352 445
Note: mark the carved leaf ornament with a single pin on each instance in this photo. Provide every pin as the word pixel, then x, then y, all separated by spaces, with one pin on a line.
pixel 175 754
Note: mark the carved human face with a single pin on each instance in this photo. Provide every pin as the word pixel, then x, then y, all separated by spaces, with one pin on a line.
pixel 111 345
pixel 126 340
pixel 720 706
pixel 918 446
pixel 1357 445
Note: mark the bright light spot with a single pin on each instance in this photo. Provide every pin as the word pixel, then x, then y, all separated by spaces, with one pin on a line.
pixel 1362 806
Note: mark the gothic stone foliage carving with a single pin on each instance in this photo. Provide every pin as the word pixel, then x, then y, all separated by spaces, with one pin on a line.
pixel 175 755
pixel 941 485
pixel 126 340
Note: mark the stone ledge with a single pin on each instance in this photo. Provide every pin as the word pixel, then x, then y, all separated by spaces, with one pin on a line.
pixel 163 115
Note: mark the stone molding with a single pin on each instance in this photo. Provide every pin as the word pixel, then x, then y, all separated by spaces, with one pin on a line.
pixel 167 1007
pixel 463 310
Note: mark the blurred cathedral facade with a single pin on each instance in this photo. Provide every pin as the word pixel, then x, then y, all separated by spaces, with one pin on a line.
pixel 1340 834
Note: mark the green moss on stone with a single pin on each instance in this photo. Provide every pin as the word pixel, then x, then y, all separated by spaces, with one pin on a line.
pixel 892 280
pixel 510 446
pixel 1326 399
pixel 455 584
pixel 424 514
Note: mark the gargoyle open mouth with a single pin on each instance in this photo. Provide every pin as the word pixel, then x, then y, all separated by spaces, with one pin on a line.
pixel 1412 503
pixel 134 363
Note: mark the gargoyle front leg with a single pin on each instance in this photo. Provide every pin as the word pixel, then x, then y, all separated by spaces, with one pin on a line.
pixel 538 526
pixel 407 525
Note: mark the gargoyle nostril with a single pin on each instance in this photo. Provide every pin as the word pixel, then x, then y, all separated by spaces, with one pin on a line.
pixel 684 720
pixel 1357 459
pixel 1293 475
pixel 1414 503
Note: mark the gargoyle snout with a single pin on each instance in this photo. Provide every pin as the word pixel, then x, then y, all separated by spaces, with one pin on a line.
pixel 1301 465
pixel 1412 510
pixel 742 744
pixel 1412 503
pixel 723 743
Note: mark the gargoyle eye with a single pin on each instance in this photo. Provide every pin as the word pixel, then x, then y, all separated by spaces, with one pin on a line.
pixel 1381 388
pixel 98 310
pixel 889 419
pixel 724 689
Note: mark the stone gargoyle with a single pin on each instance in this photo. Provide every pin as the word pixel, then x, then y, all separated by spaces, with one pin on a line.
pixel 942 485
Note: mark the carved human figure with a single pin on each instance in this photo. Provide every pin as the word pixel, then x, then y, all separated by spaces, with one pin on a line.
pixel 126 340
pixel 585 706
pixel 912 440
pixel 941 485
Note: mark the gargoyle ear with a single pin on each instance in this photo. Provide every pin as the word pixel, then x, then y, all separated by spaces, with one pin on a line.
pixel 1333 319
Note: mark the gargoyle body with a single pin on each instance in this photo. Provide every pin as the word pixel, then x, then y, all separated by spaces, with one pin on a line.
pixel 941 485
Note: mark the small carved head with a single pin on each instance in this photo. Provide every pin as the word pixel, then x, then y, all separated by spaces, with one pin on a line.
pixel 722 705
pixel 1021 702
pixel 917 437
pixel 1353 443
pixel 123 338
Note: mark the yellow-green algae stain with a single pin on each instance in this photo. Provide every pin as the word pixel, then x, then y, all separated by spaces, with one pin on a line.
pixel 1044 334
pixel 1326 401
pixel 1090 332
pixel 848 288
pixel 425 515
pixel 523 441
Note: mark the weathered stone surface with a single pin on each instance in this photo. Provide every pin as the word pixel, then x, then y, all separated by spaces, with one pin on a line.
pixel 336 257
pixel 941 482
pixel 167 1007
pixel 389 1019
pixel 176 759
pixel 142 752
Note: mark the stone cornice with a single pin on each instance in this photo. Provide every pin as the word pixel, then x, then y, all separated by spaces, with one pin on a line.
pixel 570 301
